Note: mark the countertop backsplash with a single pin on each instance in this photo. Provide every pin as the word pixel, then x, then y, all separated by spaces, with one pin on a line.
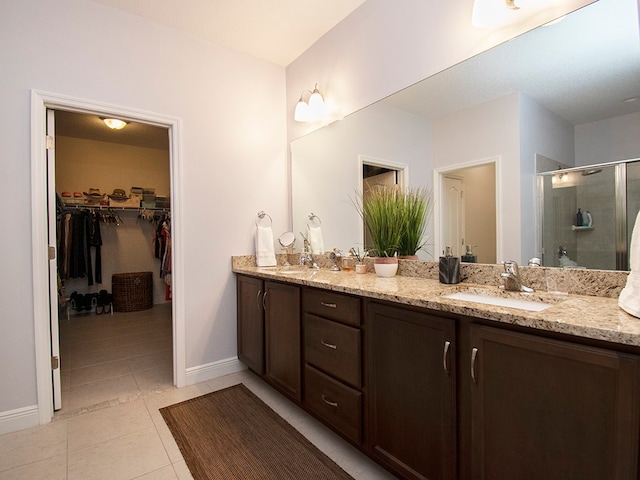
pixel 577 281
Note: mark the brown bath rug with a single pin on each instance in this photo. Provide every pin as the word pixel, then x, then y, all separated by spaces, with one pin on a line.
pixel 232 434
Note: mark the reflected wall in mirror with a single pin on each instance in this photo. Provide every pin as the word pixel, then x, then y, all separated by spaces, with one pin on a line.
pixel 556 91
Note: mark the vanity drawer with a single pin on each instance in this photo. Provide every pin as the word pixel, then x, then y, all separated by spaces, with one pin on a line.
pixel 334 348
pixel 335 306
pixel 336 403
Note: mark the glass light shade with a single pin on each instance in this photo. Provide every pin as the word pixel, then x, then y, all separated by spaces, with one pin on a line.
pixel 316 105
pixel 114 123
pixel 302 113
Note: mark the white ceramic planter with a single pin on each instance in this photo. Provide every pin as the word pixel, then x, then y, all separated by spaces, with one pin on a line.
pixel 385 266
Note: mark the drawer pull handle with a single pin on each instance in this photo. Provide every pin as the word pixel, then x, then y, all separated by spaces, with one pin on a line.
pixel 264 301
pixel 329 305
pixel 445 357
pixel 328 402
pixel 474 354
pixel 329 345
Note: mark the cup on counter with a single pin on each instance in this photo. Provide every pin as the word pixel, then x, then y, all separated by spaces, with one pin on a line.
pixel 557 282
pixel 361 268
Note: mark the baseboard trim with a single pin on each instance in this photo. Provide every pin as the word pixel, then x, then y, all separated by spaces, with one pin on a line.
pixel 13 420
pixel 209 371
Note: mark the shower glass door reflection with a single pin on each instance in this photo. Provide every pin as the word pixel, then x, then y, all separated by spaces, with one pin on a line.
pixel 632 200
pixel 608 195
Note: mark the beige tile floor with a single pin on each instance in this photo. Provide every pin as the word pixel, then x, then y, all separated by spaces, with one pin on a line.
pixel 117 375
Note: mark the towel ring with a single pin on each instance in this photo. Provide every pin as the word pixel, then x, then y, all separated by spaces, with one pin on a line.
pixel 264 220
pixel 313 221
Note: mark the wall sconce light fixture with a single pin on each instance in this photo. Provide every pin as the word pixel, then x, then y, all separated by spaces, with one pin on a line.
pixel 498 13
pixel 114 123
pixel 311 110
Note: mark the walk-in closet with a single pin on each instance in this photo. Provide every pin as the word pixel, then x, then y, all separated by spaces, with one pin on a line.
pixel 113 232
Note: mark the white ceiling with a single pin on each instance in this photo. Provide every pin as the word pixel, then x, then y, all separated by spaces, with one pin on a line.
pixel 275 30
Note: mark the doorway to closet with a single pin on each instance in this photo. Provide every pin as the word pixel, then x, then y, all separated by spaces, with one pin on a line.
pixel 43 201
pixel 113 233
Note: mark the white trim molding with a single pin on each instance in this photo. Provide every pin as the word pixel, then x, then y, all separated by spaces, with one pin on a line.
pixel 40 102
pixel 209 371
pixel 18 419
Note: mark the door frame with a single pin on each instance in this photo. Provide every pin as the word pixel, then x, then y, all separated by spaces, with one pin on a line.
pixel 402 170
pixel 438 176
pixel 40 102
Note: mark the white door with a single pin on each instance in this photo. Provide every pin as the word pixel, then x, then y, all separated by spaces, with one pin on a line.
pixel 452 215
pixel 53 262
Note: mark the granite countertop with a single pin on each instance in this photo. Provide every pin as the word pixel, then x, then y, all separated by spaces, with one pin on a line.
pixel 593 317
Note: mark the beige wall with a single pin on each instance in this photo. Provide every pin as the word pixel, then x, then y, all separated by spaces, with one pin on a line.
pixel 82 164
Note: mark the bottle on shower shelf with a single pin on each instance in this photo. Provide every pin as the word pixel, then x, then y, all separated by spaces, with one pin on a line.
pixel 579 219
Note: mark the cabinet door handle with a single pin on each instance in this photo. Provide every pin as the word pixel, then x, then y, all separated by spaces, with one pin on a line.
pixel 329 305
pixel 264 301
pixel 328 402
pixel 474 354
pixel 258 304
pixel 445 357
pixel 329 345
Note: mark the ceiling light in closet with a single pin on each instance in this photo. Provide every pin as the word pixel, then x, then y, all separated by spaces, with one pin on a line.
pixel 114 123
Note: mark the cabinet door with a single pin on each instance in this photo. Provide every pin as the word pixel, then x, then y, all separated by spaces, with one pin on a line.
pixel 411 383
pixel 251 322
pixel 551 410
pixel 283 342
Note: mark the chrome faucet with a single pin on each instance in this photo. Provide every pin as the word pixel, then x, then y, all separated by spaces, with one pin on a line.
pixel 511 277
pixel 307 259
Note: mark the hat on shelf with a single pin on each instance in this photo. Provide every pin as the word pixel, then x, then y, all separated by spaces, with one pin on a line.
pixel 118 194
pixel 66 194
pixel 94 193
pixel 77 194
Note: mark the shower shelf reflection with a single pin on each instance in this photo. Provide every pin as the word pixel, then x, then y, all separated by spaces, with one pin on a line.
pixel 573 227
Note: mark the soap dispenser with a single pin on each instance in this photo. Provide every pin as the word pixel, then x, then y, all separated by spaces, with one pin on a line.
pixel 449 268
pixel 469 257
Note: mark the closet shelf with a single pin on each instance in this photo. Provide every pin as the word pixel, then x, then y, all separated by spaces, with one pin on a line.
pixel 112 208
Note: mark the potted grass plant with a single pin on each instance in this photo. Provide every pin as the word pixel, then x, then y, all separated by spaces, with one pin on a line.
pixel 382 210
pixel 417 204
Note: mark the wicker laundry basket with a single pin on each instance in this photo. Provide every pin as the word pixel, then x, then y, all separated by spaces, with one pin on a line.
pixel 132 291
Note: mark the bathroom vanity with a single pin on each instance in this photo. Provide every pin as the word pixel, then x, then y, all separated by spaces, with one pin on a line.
pixel 433 387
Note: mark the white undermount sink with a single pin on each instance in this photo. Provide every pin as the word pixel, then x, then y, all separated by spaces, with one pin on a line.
pixel 500 301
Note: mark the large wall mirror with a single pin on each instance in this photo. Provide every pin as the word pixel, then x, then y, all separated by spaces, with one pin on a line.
pixel 557 92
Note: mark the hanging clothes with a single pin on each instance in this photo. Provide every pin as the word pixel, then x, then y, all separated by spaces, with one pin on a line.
pixel 95 240
pixel 78 232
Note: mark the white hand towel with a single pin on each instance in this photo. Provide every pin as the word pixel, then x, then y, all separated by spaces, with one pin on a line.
pixel 314 235
pixel 629 299
pixel 265 253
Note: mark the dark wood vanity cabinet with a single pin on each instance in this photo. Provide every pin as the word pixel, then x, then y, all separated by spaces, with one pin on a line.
pixel 282 338
pixel 411 386
pixel 250 308
pixel 333 360
pixel 550 409
pixel 269 332
pixel 432 396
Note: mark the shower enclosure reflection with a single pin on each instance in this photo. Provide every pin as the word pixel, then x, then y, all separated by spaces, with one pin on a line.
pixel 608 199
